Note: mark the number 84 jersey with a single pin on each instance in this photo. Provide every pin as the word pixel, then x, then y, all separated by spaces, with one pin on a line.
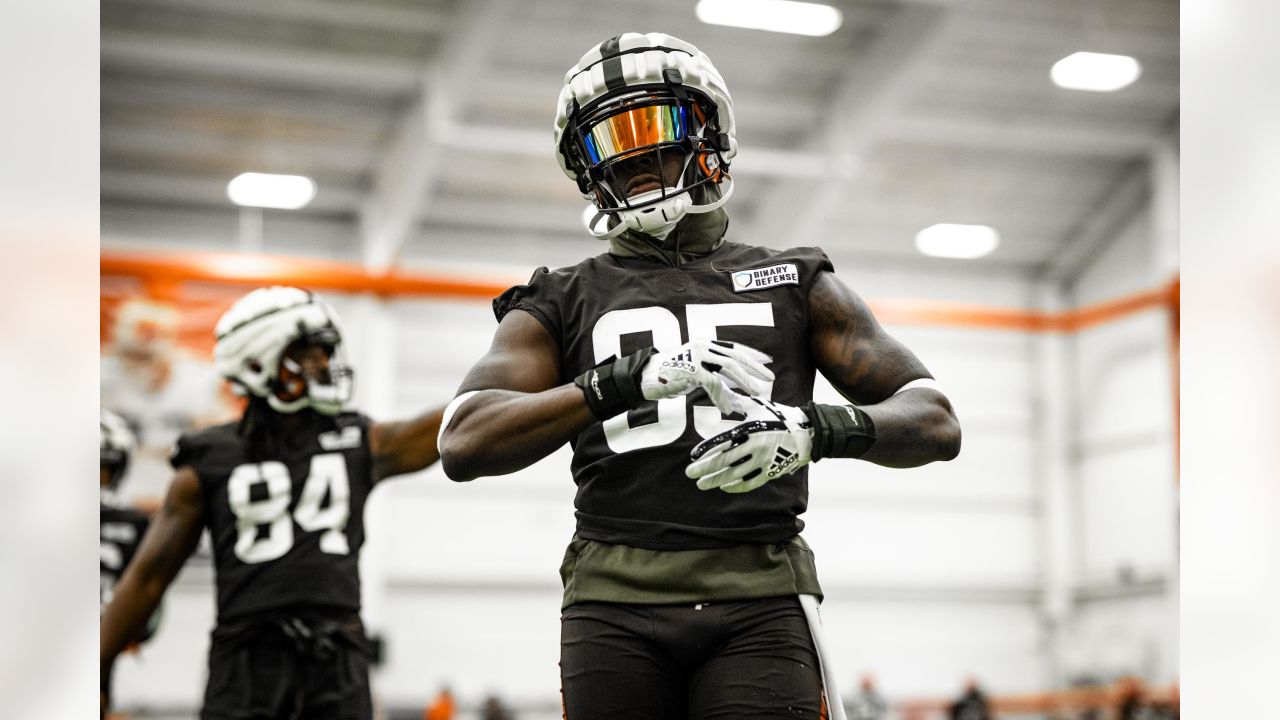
pixel 632 489
pixel 286 528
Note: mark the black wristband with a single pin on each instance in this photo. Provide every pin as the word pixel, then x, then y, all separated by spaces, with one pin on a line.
pixel 839 430
pixel 613 386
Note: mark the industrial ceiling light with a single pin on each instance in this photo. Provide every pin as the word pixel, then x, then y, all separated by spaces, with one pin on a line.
pixel 1096 72
pixel 799 18
pixel 287 192
pixel 949 240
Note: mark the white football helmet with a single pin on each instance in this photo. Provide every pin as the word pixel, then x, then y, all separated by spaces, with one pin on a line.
pixel 645 100
pixel 115 445
pixel 252 337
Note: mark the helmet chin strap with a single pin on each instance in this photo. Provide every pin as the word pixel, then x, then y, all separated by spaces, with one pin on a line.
pixel 631 219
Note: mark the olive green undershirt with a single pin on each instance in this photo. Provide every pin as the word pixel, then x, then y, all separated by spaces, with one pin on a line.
pixel 605 572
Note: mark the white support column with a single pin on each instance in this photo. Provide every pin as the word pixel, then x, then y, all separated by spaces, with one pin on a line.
pixel 370 338
pixel 1058 532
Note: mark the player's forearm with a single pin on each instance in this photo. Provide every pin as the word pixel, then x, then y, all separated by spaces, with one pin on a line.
pixel 405 446
pixel 124 620
pixel 497 432
pixel 913 428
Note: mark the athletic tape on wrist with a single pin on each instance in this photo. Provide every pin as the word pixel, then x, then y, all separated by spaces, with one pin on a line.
pixel 613 386
pixel 839 431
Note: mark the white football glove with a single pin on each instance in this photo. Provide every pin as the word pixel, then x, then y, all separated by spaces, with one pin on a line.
pixel 775 440
pixel 716 366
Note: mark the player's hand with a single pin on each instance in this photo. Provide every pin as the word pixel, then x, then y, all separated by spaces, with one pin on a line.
pixel 775 440
pixel 716 366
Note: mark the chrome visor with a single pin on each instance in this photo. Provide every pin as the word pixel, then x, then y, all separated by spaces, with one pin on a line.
pixel 635 129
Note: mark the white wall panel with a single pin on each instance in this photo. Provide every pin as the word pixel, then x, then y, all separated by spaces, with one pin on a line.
pixel 1123 378
pixel 927 649
pixel 1126 636
pixel 1126 493
pixel 911 546
pixel 505 642
pixel 509 528
pixel 1124 437
pixel 1130 517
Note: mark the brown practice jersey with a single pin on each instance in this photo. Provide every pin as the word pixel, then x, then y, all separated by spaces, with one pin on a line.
pixel 121 529
pixel 632 489
pixel 286 530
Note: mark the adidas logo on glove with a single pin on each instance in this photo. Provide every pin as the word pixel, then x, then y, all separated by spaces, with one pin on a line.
pixel 782 462
pixel 680 361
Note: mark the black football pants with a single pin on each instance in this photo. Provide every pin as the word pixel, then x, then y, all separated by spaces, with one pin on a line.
pixel 289 669
pixel 740 659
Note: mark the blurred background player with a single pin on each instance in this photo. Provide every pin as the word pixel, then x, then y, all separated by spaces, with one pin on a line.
pixel 442 706
pixel 160 389
pixel 282 492
pixel 1134 701
pixel 494 709
pixel 680 601
pixel 867 703
pixel 972 703
pixel 121 527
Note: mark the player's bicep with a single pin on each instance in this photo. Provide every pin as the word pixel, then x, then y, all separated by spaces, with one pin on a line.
pixel 523 357
pixel 862 361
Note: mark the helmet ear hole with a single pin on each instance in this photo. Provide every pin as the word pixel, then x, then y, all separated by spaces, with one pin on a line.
pixel 254 365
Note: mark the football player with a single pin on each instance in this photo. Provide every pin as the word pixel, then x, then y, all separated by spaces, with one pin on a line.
pixel 121 527
pixel 282 492
pixel 680 365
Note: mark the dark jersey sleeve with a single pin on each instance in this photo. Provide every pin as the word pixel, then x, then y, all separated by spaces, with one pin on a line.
pixel 813 259
pixel 536 298
pixel 188 450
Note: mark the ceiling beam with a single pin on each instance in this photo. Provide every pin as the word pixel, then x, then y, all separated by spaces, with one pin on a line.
pixel 206 191
pixel 364 15
pixel 1042 137
pixel 1100 225
pixel 795 213
pixel 170 55
pixel 404 181
pixel 177 96
pixel 262 154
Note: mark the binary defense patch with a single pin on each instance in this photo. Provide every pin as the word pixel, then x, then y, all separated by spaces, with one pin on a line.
pixel 766 277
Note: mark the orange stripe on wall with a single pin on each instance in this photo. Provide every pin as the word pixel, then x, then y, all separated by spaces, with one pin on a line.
pixel 257 270
pixel 944 314
pixel 162 276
